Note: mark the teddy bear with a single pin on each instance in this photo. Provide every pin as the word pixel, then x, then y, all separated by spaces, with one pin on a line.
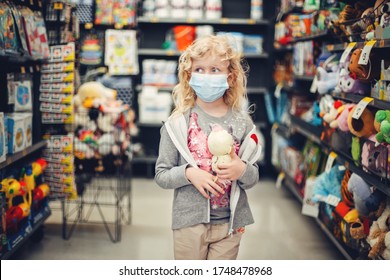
pixel 379 237
pixel 364 73
pixel 220 144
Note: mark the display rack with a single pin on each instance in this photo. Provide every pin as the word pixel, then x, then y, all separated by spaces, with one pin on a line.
pixel 297 129
pixel 106 200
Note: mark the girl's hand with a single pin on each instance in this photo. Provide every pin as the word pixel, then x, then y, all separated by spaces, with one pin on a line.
pixel 204 182
pixel 231 170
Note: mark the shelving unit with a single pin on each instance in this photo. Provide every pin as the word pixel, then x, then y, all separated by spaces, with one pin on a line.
pixel 297 126
pixel 235 18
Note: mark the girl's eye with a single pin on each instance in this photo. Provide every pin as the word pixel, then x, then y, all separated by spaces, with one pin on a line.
pixel 199 70
pixel 215 70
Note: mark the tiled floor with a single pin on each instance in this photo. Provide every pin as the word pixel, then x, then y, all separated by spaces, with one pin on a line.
pixel 280 231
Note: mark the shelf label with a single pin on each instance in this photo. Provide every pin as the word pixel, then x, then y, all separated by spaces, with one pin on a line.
pixel 224 20
pixel 332 200
pixel 88 25
pixel 251 21
pixel 347 51
pixel 58 6
pixel 329 163
pixel 365 56
pixel 190 20
pixel 361 106
pixel 22 70
pixel 118 26
pixel 279 180
pixel 154 19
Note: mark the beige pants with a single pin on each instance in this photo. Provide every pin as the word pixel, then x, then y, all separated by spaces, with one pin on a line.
pixel 206 242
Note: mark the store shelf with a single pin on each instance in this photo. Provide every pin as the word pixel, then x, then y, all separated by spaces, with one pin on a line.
pixel 310 131
pixel 30 230
pixel 224 21
pixel 355 98
pixel 144 159
pixel 257 90
pixel 383 43
pixel 150 124
pixel 18 58
pixel 174 53
pixel 315 36
pixel 313 133
pixel 20 155
pixel 306 78
pixel 291 186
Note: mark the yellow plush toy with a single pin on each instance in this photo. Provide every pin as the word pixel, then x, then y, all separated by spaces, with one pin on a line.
pixel 91 91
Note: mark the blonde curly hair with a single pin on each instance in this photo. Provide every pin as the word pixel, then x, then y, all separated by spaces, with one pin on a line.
pixel 184 96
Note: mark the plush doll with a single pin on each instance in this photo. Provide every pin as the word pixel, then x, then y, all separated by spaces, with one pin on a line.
pixel 365 24
pixel 220 144
pixel 379 237
pixel 334 113
pixel 86 93
pixel 382 126
pixel 105 122
pixel 105 144
pixel 347 84
pixel 364 73
pixel 362 127
pixel 375 157
pixel 342 120
pixel 366 200
pixel 328 183
pixel 340 28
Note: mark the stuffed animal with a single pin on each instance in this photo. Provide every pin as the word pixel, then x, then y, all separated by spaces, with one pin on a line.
pixel 365 24
pixel 364 73
pixel 333 114
pixel 342 120
pixel 366 200
pixel 347 84
pixel 362 127
pixel 220 144
pixel 328 183
pixel 382 126
pixel 379 237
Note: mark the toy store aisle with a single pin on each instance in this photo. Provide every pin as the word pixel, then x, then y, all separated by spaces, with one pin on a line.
pixel 279 232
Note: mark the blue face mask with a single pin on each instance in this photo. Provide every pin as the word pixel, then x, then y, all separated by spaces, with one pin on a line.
pixel 209 87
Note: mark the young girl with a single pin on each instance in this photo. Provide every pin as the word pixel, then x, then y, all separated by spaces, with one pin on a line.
pixel 210 209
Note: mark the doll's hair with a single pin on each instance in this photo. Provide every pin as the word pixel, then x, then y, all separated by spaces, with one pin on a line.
pixel 218 45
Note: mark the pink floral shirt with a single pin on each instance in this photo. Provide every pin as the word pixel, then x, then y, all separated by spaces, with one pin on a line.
pixel 197 144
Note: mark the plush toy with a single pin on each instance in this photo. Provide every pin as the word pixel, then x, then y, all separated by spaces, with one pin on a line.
pixel 382 126
pixel 364 73
pixel 342 120
pixel 366 200
pixel 347 84
pixel 375 157
pixel 365 24
pixel 220 144
pixel 105 144
pixel 340 28
pixel 379 237
pixel 328 183
pixel 362 127
pixel 333 114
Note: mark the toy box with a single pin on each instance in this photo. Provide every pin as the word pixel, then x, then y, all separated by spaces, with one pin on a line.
pixel 154 107
pixel 28 129
pixel 23 95
pixel 16 132
pixel 61 53
pixel 2 138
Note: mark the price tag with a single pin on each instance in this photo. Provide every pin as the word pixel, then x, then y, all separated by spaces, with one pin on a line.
pixel 224 20
pixel 365 56
pixel 279 180
pixel 330 48
pixel 251 21
pixel 347 51
pixel 190 20
pixel 361 106
pixel 332 200
pixel 154 19
pixel 170 53
pixel 22 70
pixel 329 163
pixel 58 6
pixel 314 84
pixel 88 25
pixel 118 26
pixel 31 69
